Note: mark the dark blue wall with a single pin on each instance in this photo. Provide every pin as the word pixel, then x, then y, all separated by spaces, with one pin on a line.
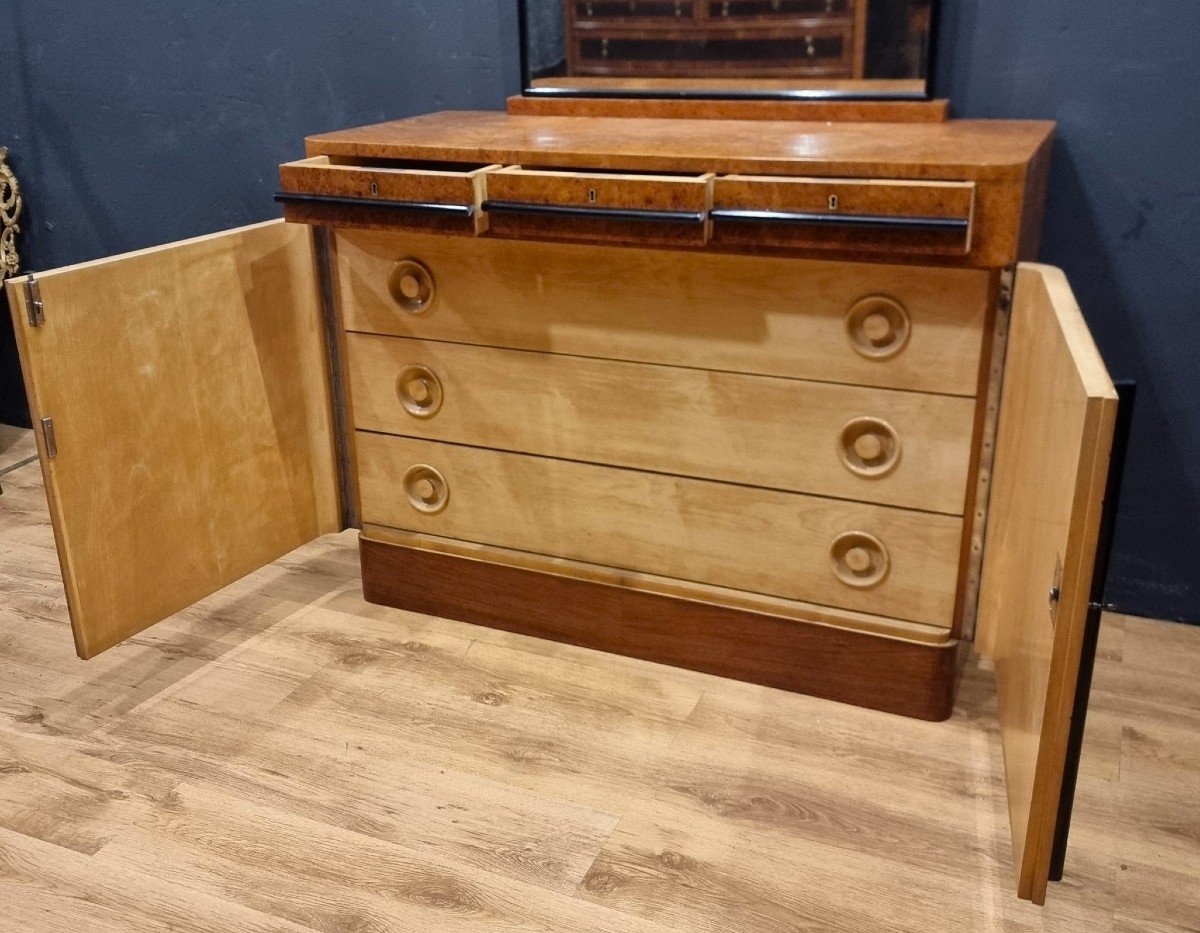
pixel 1123 219
pixel 143 122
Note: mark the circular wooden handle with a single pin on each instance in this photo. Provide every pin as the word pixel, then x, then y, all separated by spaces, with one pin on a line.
pixel 869 447
pixel 411 285
pixel 878 327
pixel 426 488
pixel 859 559
pixel 420 391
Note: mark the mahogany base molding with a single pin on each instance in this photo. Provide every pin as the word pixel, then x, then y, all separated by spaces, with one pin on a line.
pixel 901 677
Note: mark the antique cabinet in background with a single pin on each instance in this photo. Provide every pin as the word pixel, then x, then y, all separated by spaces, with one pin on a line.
pixel 716 38
pixel 772 399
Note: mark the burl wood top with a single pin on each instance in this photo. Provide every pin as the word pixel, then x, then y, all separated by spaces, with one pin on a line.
pixel 961 149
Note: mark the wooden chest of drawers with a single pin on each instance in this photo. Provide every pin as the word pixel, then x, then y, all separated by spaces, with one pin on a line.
pixel 716 38
pixel 571 417
pixel 721 394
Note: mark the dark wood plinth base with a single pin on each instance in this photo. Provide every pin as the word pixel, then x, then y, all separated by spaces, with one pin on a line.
pixel 865 670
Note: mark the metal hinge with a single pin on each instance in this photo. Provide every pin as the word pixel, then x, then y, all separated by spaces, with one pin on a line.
pixel 1008 280
pixel 49 439
pixel 33 302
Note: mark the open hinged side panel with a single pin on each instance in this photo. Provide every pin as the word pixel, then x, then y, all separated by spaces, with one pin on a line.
pixel 181 401
pixel 1052 450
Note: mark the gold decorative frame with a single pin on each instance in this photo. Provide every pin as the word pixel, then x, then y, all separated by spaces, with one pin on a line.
pixel 10 210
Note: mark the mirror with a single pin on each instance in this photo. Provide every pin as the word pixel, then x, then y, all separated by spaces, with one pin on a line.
pixel 723 49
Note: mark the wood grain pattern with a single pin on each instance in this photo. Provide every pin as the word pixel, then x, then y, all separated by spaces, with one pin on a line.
pixel 809 613
pixel 190 401
pixel 743 314
pixel 807 111
pixel 757 430
pixel 622 191
pixel 887 674
pixel 759 540
pixel 321 176
pixel 964 150
pixel 868 197
pixel 1056 424
pixel 1007 159
pixel 496 766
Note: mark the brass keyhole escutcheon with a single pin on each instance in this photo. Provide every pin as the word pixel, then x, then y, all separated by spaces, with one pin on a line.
pixel 426 488
pixel 869 447
pixel 878 327
pixel 411 285
pixel 859 559
pixel 420 391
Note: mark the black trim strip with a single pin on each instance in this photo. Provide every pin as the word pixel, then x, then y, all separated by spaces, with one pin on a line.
pixel 425 207
pixel 603 213
pixel 877 221
pixel 702 94
pixel 1126 398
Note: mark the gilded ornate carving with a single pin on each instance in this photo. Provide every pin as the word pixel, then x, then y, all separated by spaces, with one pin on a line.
pixel 10 210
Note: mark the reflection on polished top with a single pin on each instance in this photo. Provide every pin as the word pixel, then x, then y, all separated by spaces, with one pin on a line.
pixel 963 149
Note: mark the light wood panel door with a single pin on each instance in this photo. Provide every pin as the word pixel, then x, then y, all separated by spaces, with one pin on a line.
pixel 1055 434
pixel 185 425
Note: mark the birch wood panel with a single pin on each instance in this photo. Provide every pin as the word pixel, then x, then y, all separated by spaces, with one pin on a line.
pixel 189 395
pixel 1052 449
pixel 779 317
pixel 760 540
pixel 763 431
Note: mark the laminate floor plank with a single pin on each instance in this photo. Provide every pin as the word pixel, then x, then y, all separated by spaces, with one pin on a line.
pixel 284 757
pixel 47 888
pixel 17 445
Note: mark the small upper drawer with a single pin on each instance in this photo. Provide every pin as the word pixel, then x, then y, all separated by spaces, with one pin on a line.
pixel 599 206
pixel 895 216
pixel 432 195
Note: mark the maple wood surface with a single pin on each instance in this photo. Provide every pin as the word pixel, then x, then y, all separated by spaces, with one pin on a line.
pixel 190 400
pixel 1056 421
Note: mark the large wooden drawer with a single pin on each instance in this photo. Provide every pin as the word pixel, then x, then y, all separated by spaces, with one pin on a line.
pixel 878 445
pixel 869 558
pixel 904 327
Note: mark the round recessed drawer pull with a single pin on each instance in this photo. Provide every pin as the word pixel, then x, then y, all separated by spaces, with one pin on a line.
pixel 869 447
pixel 859 559
pixel 426 488
pixel 878 327
pixel 411 284
pixel 420 391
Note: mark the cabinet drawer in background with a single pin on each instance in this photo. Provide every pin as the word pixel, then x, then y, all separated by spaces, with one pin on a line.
pixel 869 558
pixel 904 327
pixel 877 445
pixel 657 209
pixel 422 196
pixel 900 216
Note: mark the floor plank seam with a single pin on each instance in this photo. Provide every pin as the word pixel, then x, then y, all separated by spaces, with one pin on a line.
pixel 18 465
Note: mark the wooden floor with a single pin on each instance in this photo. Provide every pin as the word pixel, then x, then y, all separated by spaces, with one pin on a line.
pixel 284 757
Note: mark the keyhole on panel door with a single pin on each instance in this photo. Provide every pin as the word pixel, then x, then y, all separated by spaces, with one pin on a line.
pixel 833 202
pixel 591 195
